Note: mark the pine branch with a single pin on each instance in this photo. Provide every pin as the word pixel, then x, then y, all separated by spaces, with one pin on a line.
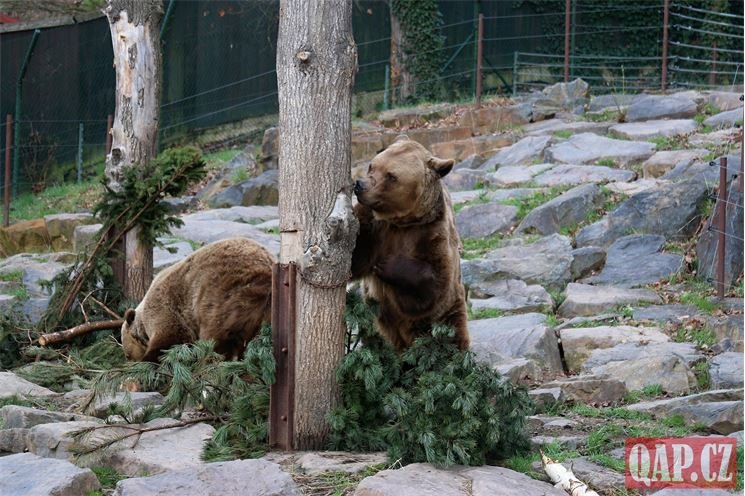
pixel 68 334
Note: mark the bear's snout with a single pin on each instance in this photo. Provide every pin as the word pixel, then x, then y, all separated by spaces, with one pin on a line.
pixel 359 187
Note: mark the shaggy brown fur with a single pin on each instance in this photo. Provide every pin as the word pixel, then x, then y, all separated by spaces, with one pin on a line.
pixel 408 250
pixel 221 292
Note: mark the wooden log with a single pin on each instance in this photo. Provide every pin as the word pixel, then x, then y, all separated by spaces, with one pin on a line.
pixel 68 334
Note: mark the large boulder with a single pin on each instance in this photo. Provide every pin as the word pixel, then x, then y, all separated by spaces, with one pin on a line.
pixel 260 190
pixel 662 162
pixel 492 119
pixel 653 129
pixel 565 210
pixel 24 237
pixel 587 300
pixel 726 370
pixel 590 389
pixel 510 295
pixel 26 474
pixel 525 151
pixel 478 221
pixel 725 119
pixel 661 107
pixel 270 148
pixel 669 210
pixel 622 267
pixel 707 248
pixel 570 175
pixel 12 385
pixel 545 262
pixel 460 149
pixel 669 372
pixel 61 227
pixel 633 350
pixel 589 148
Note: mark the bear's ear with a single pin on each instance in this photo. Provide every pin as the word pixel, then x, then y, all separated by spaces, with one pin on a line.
pixel 441 166
pixel 129 316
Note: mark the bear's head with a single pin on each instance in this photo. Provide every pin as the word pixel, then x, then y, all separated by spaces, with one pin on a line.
pixel 402 184
pixel 134 338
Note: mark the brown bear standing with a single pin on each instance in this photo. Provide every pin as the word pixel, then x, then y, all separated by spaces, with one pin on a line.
pixel 221 292
pixel 408 250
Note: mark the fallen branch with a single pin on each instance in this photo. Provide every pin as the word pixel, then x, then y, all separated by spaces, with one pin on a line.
pixel 68 334
pixel 564 478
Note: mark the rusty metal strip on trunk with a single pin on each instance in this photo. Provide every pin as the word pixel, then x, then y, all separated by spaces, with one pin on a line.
pixel 282 393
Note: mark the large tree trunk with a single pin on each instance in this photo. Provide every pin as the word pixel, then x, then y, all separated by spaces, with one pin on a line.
pixel 135 36
pixel 316 61
pixel 402 81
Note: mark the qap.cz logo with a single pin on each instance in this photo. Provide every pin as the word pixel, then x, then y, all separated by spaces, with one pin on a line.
pixel 697 462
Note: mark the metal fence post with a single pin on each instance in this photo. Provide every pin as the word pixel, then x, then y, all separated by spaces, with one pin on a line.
pixel 721 224
pixel 665 17
pixel 567 24
pixel 19 97
pixel 80 152
pixel 6 186
pixel 479 58
pixel 514 74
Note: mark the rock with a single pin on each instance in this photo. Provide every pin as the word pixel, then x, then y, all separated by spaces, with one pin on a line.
pixel 670 406
pixel 478 145
pixel 670 372
pixel 501 195
pixel 626 352
pixel 596 476
pixel 23 417
pixel 583 299
pixel 724 100
pixel 517 336
pixel 564 442
pixel 665 313
pixel 687 491
pixel 558 125
pixel 423 479
pixel 560 423
pixel 315 463
pixel 260 190
pixel 662 162
pixel 254 214
pixel 428 136
pixel 661 107
pixel 61 227
pixel 238 477
pixel 590 389
pixel 738 436
pixel 570 175
pixel 483 220
pixel 414 117
pixel 544 397
pixel 568 95
pixel 725 119
pixel 138 400
pixel 492 119
pixel 29 475
pixel 470 162
pixel 612 101
pixel 84 236
pixel 464 179
pixel 723 417
pixel 270 148
pixel 12 385
pixel 586 260
pixel 181 204
pixel 518 370
pixel 511 175
pixel 510 295
pixel 13 440
pixel 545 262
pixel 24 237
pixel 579 342
pixel 707 251
pixel 53 440
pixel 654 129
pixel 163 258
pixel 622 267
pixel 726 370
pixel 588 148
pixel 565 210
pixel 209 231
pixel 524 152
pixel 669 210
pixel 715 138
pixel 726 327
pixel 632 188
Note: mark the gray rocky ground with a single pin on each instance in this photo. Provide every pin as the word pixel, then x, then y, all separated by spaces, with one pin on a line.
pixel 580 241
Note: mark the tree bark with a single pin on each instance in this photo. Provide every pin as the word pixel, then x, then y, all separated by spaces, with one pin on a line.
pixel 135 36
pixel 316 61
pixel 401 79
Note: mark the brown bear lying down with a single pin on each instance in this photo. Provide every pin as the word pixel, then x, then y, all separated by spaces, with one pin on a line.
pixel 408 250
pixel 221 292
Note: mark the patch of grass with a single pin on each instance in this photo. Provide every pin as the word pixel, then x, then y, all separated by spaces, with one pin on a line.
pixel 482 198
pixel 272 230
pixel 219 157
pixel 21 293
pixel 604 116
pixel 564 134
pixel 646 393
pixel 608 412
pixel 239 175
pixel 476 247
pixel 706 129
pixel 710 109
pixel 607 162
pixel 701 371
pixel 527 204
pixel 698 300
pixel 108 477
pixel 699 118
pixel 552 320
pixel 702 337
pixel 558 296
pixel 484 313
pixel 334 483
pixel 741 468
pixel 15 400
pixel 608 461
pixel 12 276
pixel 66 198
pixel 602 439
pixel 667 143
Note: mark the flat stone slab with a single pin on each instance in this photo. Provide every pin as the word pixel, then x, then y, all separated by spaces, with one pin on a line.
pixel 654 129
pixel 579 343
pixel 513 175
pixel 138 400
pixel 314 463
pixel 571 175
pixel 545 262
pixel 551 126
pixel 163 258
pixel 519 370
pixel 209 231
pixel 586 300
pixel 525 151
pixel 669 372
pixel 665 313
pixel 564 210
pixel 510 295
pixel 623 268
pixel 590 389
pixel 725 119
pixel 661 107
pixel 628 351
pixel 26 474
pixel 53 440
pixel 23 417
pixel 668 405
pixel 564 442
pixel 726 370
pixel 12 385
pixel 423 479
pixel 496 340
pixel 612 101
pixel 664 161
pixel 234 478
pixel 589 148
pixel 586 260
pixel 594 475
pixel 478 221
pixel 254 214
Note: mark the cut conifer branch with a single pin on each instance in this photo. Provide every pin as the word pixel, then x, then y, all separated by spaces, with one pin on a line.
pixel 68 334
pixel 564 478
